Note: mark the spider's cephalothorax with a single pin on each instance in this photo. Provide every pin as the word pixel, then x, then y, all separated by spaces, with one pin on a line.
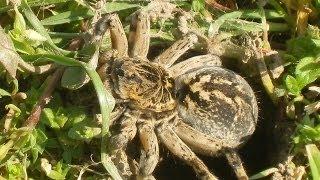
pixel 193 105
pixel 147 85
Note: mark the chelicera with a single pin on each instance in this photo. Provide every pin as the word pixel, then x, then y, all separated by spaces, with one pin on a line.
pixel 194 106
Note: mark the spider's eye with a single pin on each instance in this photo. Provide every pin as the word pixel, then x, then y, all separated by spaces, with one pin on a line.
pixel 119 72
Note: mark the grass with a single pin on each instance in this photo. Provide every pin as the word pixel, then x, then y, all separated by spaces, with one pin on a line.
pixel 54 144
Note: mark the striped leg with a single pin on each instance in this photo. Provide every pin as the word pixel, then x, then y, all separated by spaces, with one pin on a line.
pixel 168 57
pixel 117 34
pixel 236 163
pixel 118 144
pixel 170 139
pixel 194 63
pixel 139 35
pixel 150 150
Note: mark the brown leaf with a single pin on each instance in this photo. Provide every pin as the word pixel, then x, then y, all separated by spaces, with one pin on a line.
pixel 9 58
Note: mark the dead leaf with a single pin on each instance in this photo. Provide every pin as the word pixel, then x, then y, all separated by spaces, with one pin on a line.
pixel 9 58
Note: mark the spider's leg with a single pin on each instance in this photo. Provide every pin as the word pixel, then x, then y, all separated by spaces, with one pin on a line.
pixel 150 149
pixel 118 37
pixel 169 56
pixel 175 145
pixel 139 35
pixel 204 144
pixel 236 163
pixel 118 144
pixel 194 63
pixel 116 113
pixel 197 141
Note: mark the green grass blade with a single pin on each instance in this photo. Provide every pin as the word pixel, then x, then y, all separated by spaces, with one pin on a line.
pixel 314 160
pixel 254 14
pixel 66 61
pixel 263 173
pixel 106 102
pixel 67 17
pixel 4 7
pixel 74 15
pixel 34 21
pixel 215 26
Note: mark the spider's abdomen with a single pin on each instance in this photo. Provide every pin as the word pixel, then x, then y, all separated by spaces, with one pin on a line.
pixel 145 84
pixel 219 103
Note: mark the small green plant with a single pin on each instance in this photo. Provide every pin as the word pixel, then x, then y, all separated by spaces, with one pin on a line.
pixel 314 160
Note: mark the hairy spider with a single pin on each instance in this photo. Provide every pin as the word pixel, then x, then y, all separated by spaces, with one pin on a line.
pixel 191 106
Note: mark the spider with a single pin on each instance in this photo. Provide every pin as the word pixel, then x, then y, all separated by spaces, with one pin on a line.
pixel 193 106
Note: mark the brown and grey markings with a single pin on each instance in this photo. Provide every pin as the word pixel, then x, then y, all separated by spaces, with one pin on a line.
pixel 214 110
pixel 117 34
pixel 217 102
pixel 168 57
pixel 139 42
pixel 146 84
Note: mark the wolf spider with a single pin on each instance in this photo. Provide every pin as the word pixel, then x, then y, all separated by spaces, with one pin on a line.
pixel 191 106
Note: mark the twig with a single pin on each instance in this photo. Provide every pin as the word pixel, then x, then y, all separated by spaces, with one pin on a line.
pixel 36 69
pixel 45 98
pixel 215 5
pixel 265 26
pixel 265 77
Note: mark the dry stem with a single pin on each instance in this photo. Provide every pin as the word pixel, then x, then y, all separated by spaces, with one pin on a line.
pixel 45 98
